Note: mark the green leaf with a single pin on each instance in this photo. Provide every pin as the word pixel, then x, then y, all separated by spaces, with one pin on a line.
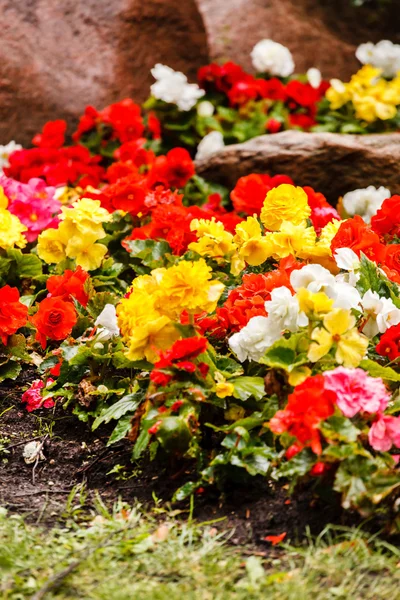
pixel 141 444
pixel 245 387
pixel 228 366
pixel 376 370
pixel 185 491
pixel 27 265
pixel 122 428
pixel 299 465
pixel 255 460
pixel 340 428
pixel 10 370
pixel 284 354
pixel 130 402
pixel 150 252
pixel 369 277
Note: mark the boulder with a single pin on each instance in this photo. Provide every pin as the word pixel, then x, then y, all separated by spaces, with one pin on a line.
pixel 328 162
pixel 57 57
pixel 320 33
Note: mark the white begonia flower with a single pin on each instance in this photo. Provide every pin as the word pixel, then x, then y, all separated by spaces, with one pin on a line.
pixel 314 77
pixel 254 339
pixel 365 201
pixel 384 55
pixel 205 109
pixel 380 313
pixel 316 278
pixel 210 144
pixel 173 87
pixel 270 57
pixel 284 311
pixel 5 152
pixel 313 278
pixel 107 323
pixel 346 296
pixel 347 260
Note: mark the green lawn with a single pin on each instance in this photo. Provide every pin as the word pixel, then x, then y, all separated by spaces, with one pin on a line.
pixel 126 555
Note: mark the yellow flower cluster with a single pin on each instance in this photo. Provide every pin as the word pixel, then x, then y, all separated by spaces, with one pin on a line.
pixel 372 96
pixel 76 236
pixel 11 230
pixel 284 215
pixel 146 317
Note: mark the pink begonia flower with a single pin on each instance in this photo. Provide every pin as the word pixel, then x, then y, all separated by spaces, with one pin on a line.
pixel 33 203
pixel 356 391
pixel 384 433
pixel 33 396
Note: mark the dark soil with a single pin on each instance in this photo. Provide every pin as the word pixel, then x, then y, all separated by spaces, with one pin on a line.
pixel 76 455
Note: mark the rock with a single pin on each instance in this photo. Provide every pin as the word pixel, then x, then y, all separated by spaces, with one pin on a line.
pixel 328 162
pixel 57 57
pixel 320 33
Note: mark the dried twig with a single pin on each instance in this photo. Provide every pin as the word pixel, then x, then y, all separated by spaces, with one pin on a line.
pixel 38 452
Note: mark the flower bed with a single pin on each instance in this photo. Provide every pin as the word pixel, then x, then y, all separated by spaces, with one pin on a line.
pixel 228 105
pixel 251 331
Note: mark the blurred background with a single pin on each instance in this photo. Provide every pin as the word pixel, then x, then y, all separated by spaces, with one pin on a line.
pixel 57 57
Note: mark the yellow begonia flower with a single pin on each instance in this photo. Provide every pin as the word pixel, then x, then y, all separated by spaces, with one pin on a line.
pixel 296 240
pixel 222 387
pixel 88 216
pixel 313 303
pixel 213 240
pixel 339 332
pixel 187 286
pixel 254 248
pixel 11 230
pixel 144 329
pixel 87 255
pixel 372 96
pixel 50 248
pixel 3 198
pixel 284 203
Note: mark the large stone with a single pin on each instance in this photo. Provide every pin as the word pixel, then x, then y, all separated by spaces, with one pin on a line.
pixel 320 33
pixel 57 56
pixel 330 163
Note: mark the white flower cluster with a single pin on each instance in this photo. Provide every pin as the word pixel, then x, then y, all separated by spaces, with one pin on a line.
pixel 314 77
pixel 5 152
pixel 284 313
pixel 384 55
pixel 210 144
pixel 272 58
pixel 365 201
pixel 173 87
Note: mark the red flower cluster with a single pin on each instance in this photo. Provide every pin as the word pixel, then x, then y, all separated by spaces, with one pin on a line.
pixel 55 319
pixel 180 356
pixel 389 344
pixel 165 207
pixel 52 135
pixel 308 405
pixel 134 192
pixel 13 314
pixel 71 284
pixel 57 166
pixel 240 87
pixel 356 234
pixel 121 121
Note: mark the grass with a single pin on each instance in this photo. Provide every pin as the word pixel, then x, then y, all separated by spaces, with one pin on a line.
pixel 125 554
